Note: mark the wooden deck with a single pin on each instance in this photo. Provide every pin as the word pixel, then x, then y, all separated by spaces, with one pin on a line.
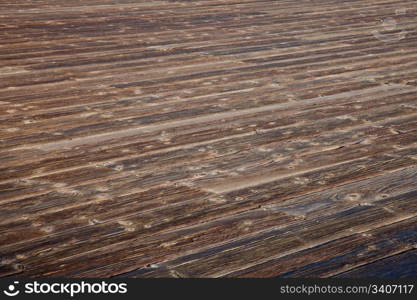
pixel 214 138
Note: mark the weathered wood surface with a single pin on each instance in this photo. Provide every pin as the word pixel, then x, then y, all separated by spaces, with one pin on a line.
pixel 395 266
pixel 237 138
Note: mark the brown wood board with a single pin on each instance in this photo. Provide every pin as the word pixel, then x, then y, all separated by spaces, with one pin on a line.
pixel 236 138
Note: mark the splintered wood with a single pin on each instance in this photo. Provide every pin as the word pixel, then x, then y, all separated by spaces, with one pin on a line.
pixel 221 138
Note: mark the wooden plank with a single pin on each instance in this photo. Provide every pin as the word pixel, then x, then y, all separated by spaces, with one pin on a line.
pixel 158 138
pixel 402 265
pixel 342 254
pixel 219 262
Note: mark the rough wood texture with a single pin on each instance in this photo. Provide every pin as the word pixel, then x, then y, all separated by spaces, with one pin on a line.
pixel 238 138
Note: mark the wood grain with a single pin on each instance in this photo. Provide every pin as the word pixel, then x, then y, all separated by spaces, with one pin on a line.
pixel 237 138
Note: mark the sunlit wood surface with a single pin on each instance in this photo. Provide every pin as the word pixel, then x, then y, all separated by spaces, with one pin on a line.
pixel 236 138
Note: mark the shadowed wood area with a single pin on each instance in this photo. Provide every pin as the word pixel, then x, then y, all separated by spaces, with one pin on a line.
pixel 214 138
